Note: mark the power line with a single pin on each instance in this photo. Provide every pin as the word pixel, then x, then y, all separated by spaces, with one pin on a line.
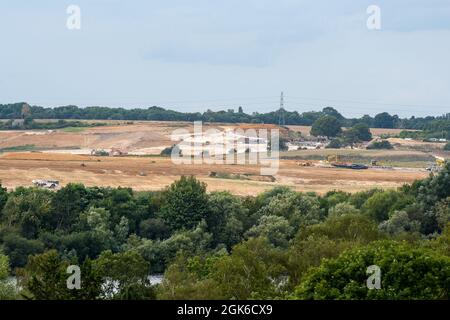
pixel 374 103
pixel 360 107
pixel 269 100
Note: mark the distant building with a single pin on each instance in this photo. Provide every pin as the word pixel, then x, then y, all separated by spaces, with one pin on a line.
pixel 16 123
pixel 115 152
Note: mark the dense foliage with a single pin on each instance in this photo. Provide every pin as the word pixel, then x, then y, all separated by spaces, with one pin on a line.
pixel 447 146
pixel 383 144
pixel 327 126
pixel 280 244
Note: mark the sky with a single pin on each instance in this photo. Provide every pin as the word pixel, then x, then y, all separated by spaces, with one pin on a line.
pixel 194 55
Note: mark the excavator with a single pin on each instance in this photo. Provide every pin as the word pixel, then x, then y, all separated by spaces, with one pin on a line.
pixel 437 165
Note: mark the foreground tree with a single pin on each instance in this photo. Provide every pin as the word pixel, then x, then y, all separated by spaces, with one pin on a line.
pixel 185 203
pixel 406 273
pixel 253 271
pixel 3 197
pixel 125 276
pixel 7 289
pixel 45 278
pixel 226 218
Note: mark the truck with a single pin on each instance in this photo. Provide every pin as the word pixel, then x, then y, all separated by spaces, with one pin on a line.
pixel 49 184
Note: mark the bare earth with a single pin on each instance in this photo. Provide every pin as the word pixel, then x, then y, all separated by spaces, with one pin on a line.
pixel 305 130
pixel 155 173
pixel 64 156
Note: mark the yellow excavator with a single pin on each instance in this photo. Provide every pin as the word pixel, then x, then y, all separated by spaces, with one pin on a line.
pixel 440 161
pixel 438 164
pixel 333 158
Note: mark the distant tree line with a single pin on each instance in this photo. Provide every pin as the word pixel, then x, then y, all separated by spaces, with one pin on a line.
pixel 30 124
pixel 381 120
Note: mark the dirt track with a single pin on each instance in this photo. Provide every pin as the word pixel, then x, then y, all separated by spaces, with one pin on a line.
pixel 154 173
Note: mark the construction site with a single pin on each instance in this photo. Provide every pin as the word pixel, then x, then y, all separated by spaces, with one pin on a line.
pixel 129 155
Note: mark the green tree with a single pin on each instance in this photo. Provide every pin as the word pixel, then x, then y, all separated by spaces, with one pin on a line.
pixel 275 228
pixel 334 144
pixel 382 204
pixel 433 189
pixel 68 203
pixel 441 244
pixel 341 209
pixel 355 228
pixel 307 252
pixel 359 198
pixel 399 222
pixel 254 270
pixel 329 111
pixel 7 289
pixel 98 221
pixel 332 198
pixel 189 242
pixel 185 203
pixel 154 228
pixel 190 278
pixel 28 210
pixel 45 278
pixel 383 120
pixel 359 132
pixel 447 146
pixel 327 126
pixel 226 218
pixel 125 276
pixel 18 248
pixel 3 198
pixel 383 144
pixel 406 273
pixel 297 208
pixel 362 132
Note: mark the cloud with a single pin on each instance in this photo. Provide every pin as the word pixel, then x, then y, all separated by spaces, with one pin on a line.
pixel 133 54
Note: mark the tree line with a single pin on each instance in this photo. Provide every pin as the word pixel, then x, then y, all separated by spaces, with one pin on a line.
pixel 281 244
pixel 381 120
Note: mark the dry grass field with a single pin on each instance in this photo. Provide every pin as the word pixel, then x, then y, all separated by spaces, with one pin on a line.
pixel 65 156
pixel 154 173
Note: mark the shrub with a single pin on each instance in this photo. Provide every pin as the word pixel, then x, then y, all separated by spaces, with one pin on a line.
pixel 334 144
pixel 384 144
pixel 406 273
pixel 447 146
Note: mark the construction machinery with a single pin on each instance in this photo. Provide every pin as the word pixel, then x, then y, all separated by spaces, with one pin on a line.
pixel 116 152
pixel 438 164
pixel 49 184
pixel 304 164
pixel 334 160
pixel 440 161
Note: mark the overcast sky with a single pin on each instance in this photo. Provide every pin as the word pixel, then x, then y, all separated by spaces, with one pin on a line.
pixel 191 55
